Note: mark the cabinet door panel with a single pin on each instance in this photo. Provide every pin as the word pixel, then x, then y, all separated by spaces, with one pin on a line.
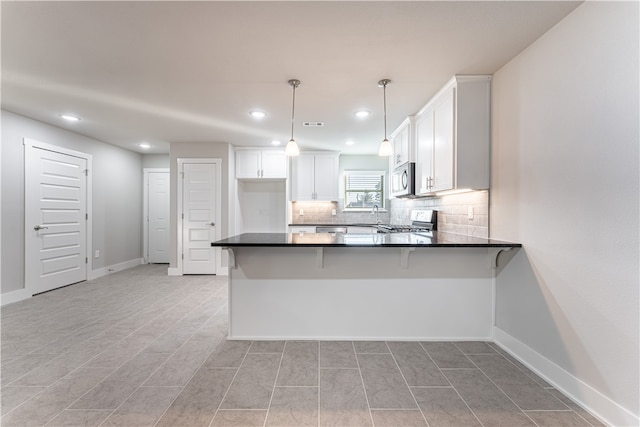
pixel 424 162
pixel 248 164
pixel 303 182
pixel 443 148
pixel 326 177
pixel 274 164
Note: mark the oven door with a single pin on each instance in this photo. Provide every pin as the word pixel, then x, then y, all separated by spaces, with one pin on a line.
pixel 403 180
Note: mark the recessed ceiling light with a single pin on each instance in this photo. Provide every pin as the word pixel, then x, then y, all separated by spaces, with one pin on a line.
pixel 144 145
pixel 70 117
pixel 349 142
pixel 362 113
pixel 275 143
pixel 257 114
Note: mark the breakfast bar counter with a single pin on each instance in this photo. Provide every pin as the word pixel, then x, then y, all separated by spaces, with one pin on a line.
pixel 400 286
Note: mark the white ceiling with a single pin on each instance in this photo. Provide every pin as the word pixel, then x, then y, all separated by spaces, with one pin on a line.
pixel 170 72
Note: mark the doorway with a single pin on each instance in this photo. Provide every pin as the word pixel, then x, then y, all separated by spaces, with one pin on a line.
pixel 199 212
pixel 156 215
pixel 57 216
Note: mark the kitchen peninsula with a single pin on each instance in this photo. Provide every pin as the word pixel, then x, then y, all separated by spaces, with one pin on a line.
pixel 402 286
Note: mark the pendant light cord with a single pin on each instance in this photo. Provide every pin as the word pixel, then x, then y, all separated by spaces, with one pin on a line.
pixel 293 108
pixel 384 97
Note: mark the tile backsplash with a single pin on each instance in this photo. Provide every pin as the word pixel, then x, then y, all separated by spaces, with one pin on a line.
pixel 321 213
pixel 453 213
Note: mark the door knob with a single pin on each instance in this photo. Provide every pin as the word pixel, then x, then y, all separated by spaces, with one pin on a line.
pixel 213 224
pixel 40 227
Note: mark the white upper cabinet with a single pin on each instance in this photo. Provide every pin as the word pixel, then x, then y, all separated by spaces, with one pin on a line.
pixel 257 164
pixel 315 176
pixel 402 141
pixel 453 137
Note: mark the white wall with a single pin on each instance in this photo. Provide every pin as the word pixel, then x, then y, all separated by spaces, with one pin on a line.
pixel 262 206
pixel 565 184
pixel 155 160
pixel 117 196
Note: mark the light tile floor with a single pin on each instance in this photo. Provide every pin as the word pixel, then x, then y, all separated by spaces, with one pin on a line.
pixel 139 348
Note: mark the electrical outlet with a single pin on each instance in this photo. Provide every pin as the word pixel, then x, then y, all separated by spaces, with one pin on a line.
pixel 97 255
pixel 301 212
pixel 333 212
pixel 470 213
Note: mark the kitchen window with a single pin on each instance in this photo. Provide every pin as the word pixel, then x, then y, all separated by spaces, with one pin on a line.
pixel 363 190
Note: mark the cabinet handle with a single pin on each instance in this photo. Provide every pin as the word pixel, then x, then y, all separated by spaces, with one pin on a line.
pixel 40 227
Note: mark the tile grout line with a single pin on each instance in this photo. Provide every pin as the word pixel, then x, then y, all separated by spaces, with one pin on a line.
pixel 549 387
pixel 502 391
pixel 366 396
pixel 169 357
pixel 454 389
pixel 79 367
pixel 230 382
pixel 222 307
pixel 407 383
pixel 275 381
pixel 141 351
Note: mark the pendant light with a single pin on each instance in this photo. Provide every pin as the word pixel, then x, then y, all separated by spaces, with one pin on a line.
pixel 386 149
pixel 292 148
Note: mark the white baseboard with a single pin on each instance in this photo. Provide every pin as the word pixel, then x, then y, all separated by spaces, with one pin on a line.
pixel 101 272
pixel 586 396
pixel 173 271
pixel 14 296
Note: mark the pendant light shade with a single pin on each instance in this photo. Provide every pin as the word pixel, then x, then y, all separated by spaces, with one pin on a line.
pixel 386 149
pixel 292 148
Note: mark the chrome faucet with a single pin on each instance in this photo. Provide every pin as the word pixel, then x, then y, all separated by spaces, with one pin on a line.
pixel 374 210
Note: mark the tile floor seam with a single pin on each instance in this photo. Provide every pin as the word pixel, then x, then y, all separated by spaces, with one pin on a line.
pixel 102 319
pixel 503 392
pixel 183 344
pixel 452 386
pixel 406 382
pixel 525 372
pixel 204 359
pixel 364 389
pixel 82 308
pixel 275 381
pixel 128 360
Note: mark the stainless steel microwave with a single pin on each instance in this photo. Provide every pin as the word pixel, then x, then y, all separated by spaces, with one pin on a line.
pixel 403 180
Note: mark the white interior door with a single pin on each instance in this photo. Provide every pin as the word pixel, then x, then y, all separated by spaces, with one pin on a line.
pixel 55 219
pixel 199 218
pixel 158 217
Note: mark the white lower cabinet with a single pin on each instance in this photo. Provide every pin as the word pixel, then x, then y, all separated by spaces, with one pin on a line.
pixel 315 177
pixel 453 137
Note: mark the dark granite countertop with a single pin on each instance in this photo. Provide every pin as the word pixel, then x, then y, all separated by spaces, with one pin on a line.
pixel 319 240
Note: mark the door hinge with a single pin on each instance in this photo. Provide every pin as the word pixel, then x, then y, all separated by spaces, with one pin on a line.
pixel 86 260
pixel 86 216
pixel 182 256
pixel 182 216
pixel 86 172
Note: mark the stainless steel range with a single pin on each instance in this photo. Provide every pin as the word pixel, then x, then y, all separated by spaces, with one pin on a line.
pixel 421 220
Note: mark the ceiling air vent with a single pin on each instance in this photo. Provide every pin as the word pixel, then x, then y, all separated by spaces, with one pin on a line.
pixel 312 124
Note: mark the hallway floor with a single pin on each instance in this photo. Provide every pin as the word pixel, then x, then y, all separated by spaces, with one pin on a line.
pixel 139 348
